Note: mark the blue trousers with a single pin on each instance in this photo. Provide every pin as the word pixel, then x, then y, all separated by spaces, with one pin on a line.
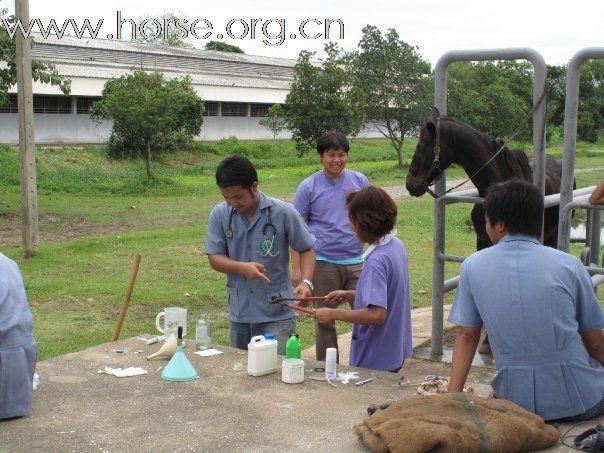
pixel 241 333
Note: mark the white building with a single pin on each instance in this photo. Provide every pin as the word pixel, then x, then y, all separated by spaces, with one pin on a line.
pixel 237 89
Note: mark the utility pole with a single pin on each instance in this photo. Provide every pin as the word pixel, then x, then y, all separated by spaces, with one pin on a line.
pixel 27 149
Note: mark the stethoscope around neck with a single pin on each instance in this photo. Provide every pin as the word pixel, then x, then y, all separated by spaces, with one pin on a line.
pixel 267 245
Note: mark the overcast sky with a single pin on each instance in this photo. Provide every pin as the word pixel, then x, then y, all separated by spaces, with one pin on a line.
pixel 554 28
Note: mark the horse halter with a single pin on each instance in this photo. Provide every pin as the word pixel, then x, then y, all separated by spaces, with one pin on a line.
pixel 435 164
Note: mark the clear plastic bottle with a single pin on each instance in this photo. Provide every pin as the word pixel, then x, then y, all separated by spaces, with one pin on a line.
pixel 202 332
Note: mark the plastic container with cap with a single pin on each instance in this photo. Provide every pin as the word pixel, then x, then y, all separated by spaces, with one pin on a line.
pixel 292 371
pixel 262 355
pixel 293 347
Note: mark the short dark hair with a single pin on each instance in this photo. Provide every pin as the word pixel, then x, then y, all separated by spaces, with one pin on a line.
pixel 518 204
pixel 373 211
pixel 332 140
pixel 236 171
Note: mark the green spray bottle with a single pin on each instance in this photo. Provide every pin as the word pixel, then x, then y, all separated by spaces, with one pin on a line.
pixel 293 347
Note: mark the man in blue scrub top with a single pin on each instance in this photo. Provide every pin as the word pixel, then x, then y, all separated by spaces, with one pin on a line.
pixel 542 314
pixel 248 238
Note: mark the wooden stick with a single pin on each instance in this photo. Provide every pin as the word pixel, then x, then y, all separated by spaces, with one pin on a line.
pixel 124 308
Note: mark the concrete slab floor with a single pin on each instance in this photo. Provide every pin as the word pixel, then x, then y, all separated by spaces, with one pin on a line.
pixel 75 409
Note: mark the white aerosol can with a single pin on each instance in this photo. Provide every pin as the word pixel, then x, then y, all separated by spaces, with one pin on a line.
pixel 331 358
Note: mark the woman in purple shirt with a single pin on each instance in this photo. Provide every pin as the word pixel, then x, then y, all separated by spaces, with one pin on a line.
pixel 381 336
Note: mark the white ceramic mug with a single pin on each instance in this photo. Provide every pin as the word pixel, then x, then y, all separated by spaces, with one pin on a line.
pixel 173 317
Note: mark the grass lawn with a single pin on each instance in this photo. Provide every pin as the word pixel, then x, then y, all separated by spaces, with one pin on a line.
pixel 96 214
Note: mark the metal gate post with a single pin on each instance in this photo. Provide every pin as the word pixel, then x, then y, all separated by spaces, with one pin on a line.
pixel 440 101
pixel 571 109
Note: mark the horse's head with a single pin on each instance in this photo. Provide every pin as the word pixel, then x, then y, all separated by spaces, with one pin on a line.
pixel 426 166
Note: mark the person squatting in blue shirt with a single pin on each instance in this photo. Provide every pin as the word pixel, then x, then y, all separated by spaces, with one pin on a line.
pixel 248 238
pixel 540 309
pixel 18 349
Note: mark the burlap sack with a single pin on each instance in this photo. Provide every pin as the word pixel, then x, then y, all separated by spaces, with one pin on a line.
pixel 455 422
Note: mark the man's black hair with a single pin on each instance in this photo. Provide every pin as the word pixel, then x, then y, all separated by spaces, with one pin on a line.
pixel 518 204
pixel 236 171
pixel 332 140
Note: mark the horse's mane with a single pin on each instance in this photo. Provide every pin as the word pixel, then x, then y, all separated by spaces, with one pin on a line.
pixel 512 163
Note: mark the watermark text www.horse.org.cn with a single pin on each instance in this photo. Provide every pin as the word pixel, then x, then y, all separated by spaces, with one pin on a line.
pixel 272 32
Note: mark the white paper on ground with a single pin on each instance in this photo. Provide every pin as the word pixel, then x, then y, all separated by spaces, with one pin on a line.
pixel 208 352
pixel 345 378
pixel 126 372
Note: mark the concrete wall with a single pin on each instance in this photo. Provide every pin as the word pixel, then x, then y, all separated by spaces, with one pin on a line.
pixel 217 127
pixel 56 128
pixel 79 128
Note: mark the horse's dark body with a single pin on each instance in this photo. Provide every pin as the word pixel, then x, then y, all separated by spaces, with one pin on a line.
pixel 464 145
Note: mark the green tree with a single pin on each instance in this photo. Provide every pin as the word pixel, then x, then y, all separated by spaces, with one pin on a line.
pixel 222 47
pixel 556 80
pixel 322 98
pixel 275 122
pixel 42 72
pixel 168 32
pixel 591 101
pixel 148 111
pixel 492 97
pixel 396 82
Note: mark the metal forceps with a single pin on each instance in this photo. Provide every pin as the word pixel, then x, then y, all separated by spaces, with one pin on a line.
pixel 281 300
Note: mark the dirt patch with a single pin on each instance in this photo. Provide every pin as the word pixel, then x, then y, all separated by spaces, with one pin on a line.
pixel 398 192
pixel 8 222
pixel 449 335
pixel 588 170
pixel 10 231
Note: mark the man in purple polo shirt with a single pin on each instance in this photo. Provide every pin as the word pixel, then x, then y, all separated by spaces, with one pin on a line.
pixel 321 201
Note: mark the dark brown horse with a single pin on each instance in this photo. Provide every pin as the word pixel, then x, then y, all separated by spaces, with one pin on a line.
pixel 464 145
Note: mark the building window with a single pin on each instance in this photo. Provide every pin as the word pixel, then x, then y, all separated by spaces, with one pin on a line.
pixel 260 110
pixel 211 109
pixel 84 104
pixel 11 107
pixel 234 109
pixel 52 104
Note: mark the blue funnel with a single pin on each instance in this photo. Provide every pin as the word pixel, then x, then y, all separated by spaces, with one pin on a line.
pixel 179 368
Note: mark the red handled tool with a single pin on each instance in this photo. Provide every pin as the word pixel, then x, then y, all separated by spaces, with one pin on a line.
pixel 280 300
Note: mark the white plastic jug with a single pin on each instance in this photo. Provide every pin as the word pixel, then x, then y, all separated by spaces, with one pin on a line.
pixel 261 356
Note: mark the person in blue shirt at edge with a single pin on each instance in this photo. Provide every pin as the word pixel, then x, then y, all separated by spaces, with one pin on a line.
pixel 321 201
pixel 597 196
pixel 18 349
pixel 381 335
pixel 540 309
pixel 248 238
